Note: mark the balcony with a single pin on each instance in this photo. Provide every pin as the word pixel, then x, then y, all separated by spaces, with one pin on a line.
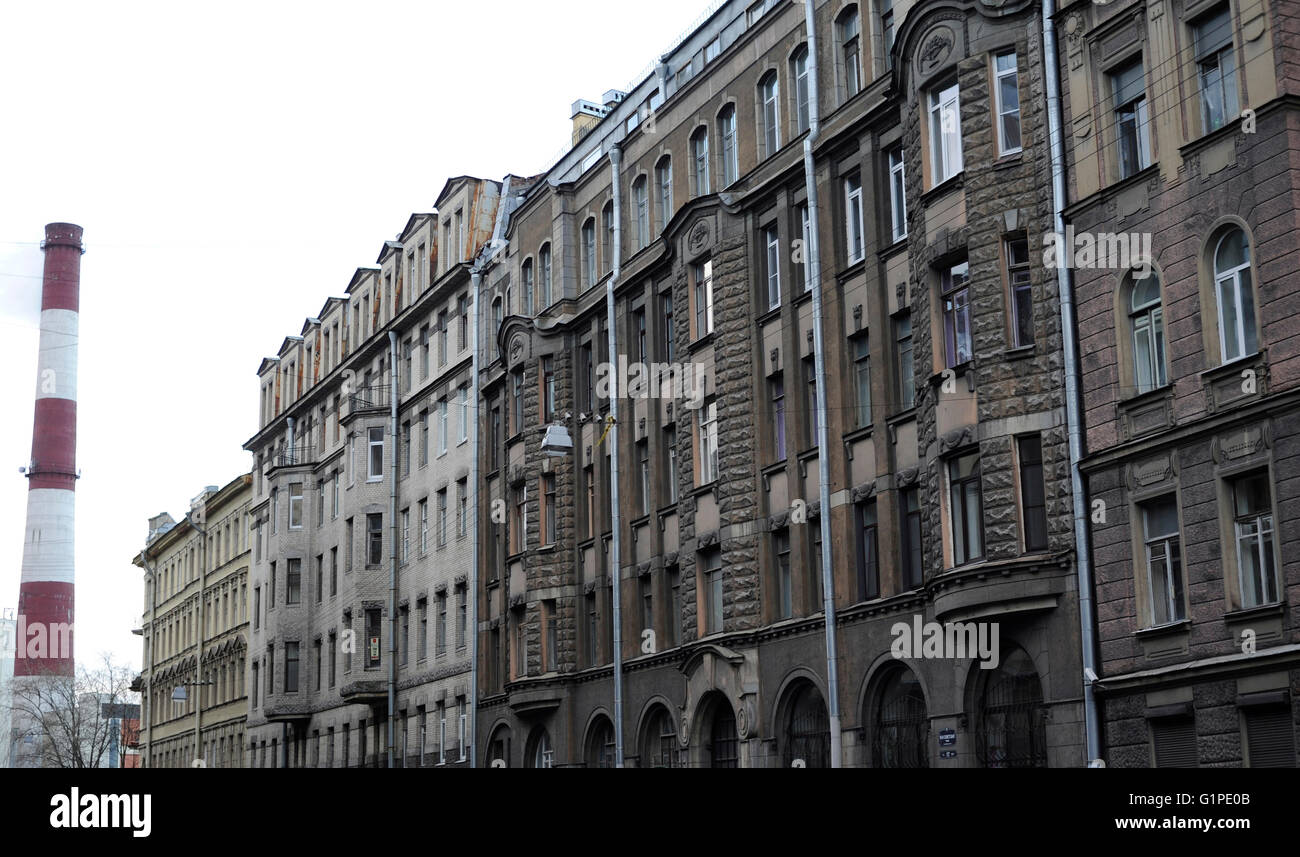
pixel 296 456
pixel 373 398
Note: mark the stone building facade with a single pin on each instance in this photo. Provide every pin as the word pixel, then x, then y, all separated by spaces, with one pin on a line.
pixel 1191 372
pixel 195 632
pixel 950 489
pixel 345 509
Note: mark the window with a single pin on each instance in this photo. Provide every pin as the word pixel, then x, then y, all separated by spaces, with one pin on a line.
pixel 1270 735
pixel 664 191
pixel 374 539
pixel 638 335
pixel 641 207
pixel 1011 722
pixel 903 342
pixel 945 134
pixel 967 509
pixel 1254 536
pixel 334 649
pixel 442 518
pixel 708 443
pixel 886 13
pixel 462 325
pixel 811 412
pixel 1216 69
pixel 670 444
pixel 550 635
pixel 526 286
pixel 799 71
pixel 781 574
pixel 776 386
pixel 1163 560
pixel 517 401
pixel 711 563
pixel 406 535
pixel 376 439
pixel 727 134
pixel 548 509
pixel 442 624
pixel 424 527
pixel 544 275
pixel 462 402
pixel 703 298
pixel 862 378
pixel 607 235
pixel 548 389
pixel 1132 129
pixel 422 640
pixel 643 476
pixel 443 336
pixel 666 317
pixel 853 227
pixel 897 194
pixel 1146 318
pixel 591 635
pixel 462 614
pixel 293 582
pixel 256 686
pixel 769 94
pixel 868 552
pixel 712 50
pixel 850 32
pixel 1033 495
pixel 295 506
pixel 462 507
pixel 1022 292
pixel 589 253
pixel 334 571
pixel 772 264
pixel 804 270
pixel 348 534
pixel 404 638
pixel 1235 294
pixel 700 154
pixel 956 313
pixel 901 736
pixel 290 667
pixel 1007 91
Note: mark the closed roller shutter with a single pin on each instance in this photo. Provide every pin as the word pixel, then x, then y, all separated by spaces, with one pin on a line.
pixel 1175 742
pixel 1270 736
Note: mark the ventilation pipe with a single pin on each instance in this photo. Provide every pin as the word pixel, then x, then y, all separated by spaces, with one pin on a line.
pixel 471 692
pixel 819 357
pixel 392 565
pixel 616 518
pixel 1073 409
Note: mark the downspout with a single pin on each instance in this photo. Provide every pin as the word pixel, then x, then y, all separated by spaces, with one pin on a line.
pixel 393 395
pixel 153 613
pixel 198 657
pixel 819 358
pixel 471 693
pixel 615 163
pixel 1073 410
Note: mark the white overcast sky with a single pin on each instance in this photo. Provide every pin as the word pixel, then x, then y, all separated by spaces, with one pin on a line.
pixel 232 165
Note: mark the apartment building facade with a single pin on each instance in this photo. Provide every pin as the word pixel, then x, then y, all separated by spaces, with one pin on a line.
pixel 1182 119
pixel 195 633
pixel 362 518
pixel 948 461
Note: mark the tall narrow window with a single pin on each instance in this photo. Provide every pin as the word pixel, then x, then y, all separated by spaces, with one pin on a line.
pixel 853 227
pixel 784 583
pixel 703 294
pixel 442 518
pixel 664 191
pixel 1253 530
pixel 442 425
pixel 777 387
pixel 1146 316
pixel 897 194
pixel 641 208
pixel 374 539
pixel 290 667
pixel 1022 292
pixel 544 275
pixel 811 413
pixel 643 476
pixel 376 442
pixel 295 506
pixel 1217 69
pixel 966 509
pixel 772 264
pixel 1033 495
pixel 862 378
pixel 727 134
pixel 1007 90
pixel 805 226
pixel 548 389
pixel 708 443
pixel 850 32
pixel 956 313
pixel 769 95
pixel 670 444
pixel 887 32
pixel 293 582
pixel 1236 297
pixel 910 520
pixel 1164 560
pixel 548 510
pixel 711 562
pixel 868 552
pixel 945 134
pixel 526 278
pixel 799 71
pixel 903 344
pixel 666 320
pixel 700 154
pixel 589 253
pixel 1132 128
pixel 607 236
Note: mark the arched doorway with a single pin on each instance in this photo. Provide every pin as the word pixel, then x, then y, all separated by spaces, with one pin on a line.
pixel 720 742
pixel 806 728
pixel 600 744
pixel 900 722
pixel 539 753
pixel 659 745
pixel 1011 731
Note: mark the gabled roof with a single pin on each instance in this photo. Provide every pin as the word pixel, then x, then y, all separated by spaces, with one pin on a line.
pixel 267 363
pixel 360 275
pixel 449 188
pixel 289 342
pixel 330 304
pixel 309 324
pixel 414 223
pixel 389 248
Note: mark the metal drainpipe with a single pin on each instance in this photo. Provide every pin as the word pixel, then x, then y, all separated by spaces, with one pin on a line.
pixel 392 566
pixel 1073 410
pixel 198 658
pixel 615 163
pixel 471 693
pixel 153 612
pixel 819 358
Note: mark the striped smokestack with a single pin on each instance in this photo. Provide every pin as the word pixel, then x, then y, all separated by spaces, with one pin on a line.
pixel 46 592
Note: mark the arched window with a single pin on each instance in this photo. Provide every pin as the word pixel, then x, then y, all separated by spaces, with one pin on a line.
pixel 1232 287
pixel 641 212
pixel 498 754
pixel 589 253
pixel 727 134
pixel 1147 321
pixel 659 747
pixel 717 730
pixel 901 726
pixel 1011 731
pixel 799 71
pixel 806 732
pixel 769 99
pixel 600 745
pixel 849 29
pixel 700 154
pixel 664 190
pixel 540 754
pixel 544 275
pixel 526 287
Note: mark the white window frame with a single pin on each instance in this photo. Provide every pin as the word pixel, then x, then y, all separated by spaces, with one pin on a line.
pixel 945 133
pixel 1004 112
pixel 708 440
pixel 854 228
pixel 376 457
pixel 772 253
pixel 897 193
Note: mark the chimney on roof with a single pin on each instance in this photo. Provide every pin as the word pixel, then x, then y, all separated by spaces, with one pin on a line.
pixel 586 115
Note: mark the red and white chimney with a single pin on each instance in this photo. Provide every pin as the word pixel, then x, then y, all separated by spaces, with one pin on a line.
pixel 45 595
